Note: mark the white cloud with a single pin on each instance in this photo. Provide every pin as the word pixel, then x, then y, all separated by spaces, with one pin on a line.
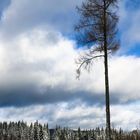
pixel 24 15
pixel 34 59
pixel 61 115
pixel 79 115
pixel 126 117
pixel 124 77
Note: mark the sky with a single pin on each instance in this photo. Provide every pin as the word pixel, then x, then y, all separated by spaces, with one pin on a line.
pixel 38 70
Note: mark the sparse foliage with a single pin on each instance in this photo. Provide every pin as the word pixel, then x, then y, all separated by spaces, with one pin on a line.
pixel 97 29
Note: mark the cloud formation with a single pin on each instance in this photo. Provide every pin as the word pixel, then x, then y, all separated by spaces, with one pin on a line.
pixel 39 13
pixel 37 68
pixel 42 70
pixel 75 115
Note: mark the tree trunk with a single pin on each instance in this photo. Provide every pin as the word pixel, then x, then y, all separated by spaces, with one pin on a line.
pixel 107 97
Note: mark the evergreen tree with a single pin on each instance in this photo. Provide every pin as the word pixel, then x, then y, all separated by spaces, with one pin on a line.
pixel 31 132
pixel 46 132
pixel 79 133
pixel 36 131
pixel 41 133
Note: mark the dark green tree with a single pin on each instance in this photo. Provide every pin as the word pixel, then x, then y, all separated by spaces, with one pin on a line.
pixel 41 133
pixel 97 28
pixel 36 131
pixel 79 133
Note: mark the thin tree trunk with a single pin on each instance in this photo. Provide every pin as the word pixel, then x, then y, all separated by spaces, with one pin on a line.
pixel 107 97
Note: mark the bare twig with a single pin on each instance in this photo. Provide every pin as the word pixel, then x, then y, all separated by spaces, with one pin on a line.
pixel 87 62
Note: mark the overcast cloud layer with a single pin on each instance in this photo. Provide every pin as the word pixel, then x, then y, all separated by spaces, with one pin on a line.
pixel 37 68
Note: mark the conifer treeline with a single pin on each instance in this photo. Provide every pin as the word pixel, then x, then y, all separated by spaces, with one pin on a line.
pixel 22 131
pixel 36 131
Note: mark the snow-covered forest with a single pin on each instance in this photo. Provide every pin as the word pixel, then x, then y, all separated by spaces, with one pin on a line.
pixel 36 131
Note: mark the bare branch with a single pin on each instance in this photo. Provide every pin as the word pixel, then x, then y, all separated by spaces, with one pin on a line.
pixel 86 61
